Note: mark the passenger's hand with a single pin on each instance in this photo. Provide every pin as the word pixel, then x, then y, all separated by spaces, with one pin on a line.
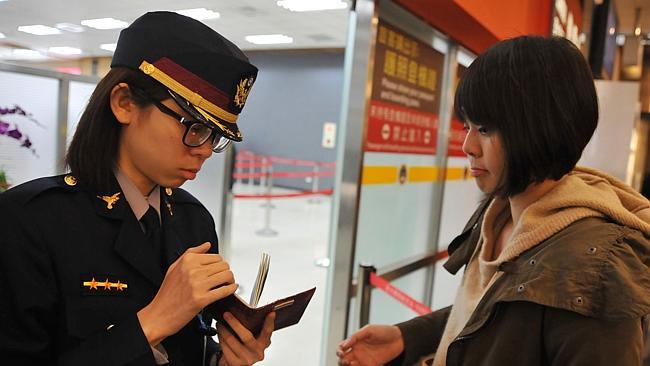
pixel 250 349
pixel 372 345
pixel 195 280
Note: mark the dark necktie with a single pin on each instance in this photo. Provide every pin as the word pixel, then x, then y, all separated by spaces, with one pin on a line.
pixel 151 224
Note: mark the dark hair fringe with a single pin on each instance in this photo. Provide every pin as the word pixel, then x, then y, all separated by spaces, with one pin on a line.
pixel 538 94
pixel 93 150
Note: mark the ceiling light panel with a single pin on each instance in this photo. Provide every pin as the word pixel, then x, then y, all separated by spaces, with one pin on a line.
pixel 269 39
pixel 313 5
pixel 105 23
pixel 38 29
pixel 66 51
pixel 108 46
pixel 69 27
pixel 2 35
pixel 199 13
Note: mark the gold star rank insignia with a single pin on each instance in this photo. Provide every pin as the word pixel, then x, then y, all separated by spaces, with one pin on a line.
pixel 92 284
pixel 110 200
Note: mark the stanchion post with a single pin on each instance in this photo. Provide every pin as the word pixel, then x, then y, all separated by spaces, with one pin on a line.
pixel 314 185
pixel 266 230
pixel 364 290
pixel 251 170
pixel 269 187
pixel 263 171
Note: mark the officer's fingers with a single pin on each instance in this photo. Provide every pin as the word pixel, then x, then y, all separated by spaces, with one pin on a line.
pixel 265 334
pixel 203 248
pixel 228 354
pixel 221 292
pixel 211 269
pixel 244 334
pixel 239 351
pixel 219 279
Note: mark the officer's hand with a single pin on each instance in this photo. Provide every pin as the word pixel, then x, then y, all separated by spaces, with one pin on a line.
pixel 193 281
pixel 250 349
pixel 372 345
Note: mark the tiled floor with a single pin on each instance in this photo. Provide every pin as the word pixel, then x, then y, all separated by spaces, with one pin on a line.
pixel 302 239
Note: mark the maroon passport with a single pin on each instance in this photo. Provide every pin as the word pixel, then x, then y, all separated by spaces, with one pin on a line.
pixel 288 311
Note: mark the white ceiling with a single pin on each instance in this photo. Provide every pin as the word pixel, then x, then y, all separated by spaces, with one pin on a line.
pixel 238 18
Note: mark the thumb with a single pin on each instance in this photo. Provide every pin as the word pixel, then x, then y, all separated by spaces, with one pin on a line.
pixel 199 249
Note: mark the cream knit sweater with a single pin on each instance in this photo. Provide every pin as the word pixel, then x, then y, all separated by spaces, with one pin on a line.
pixel 582 193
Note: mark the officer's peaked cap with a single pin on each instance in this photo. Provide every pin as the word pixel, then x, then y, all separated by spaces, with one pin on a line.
pixel 192 60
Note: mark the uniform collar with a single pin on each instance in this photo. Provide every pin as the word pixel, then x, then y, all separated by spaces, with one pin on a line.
pixel 139 203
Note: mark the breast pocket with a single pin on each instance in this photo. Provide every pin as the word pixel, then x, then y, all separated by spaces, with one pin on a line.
pixel 86 316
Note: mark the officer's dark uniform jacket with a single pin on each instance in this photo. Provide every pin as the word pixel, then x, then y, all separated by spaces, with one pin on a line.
pixel 578 298
pixel 74 271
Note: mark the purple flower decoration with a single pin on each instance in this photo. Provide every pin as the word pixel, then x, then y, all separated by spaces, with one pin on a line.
pixel 15 134
pixel 27 143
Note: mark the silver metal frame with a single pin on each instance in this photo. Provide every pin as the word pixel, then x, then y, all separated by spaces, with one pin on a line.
pixel 62 105
pixel 416 28
pixel 351 134
pixel 359 58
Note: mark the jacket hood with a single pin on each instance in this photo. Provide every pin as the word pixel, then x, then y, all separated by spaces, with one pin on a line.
pixel 611 197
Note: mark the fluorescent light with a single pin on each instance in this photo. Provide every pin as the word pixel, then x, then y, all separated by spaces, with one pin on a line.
pixel 105 23
pixel 108 46
pixel 620 39
pixel 2 35
pixel 199 13
pixel 38 29
pixel 312 5
pixel 26 53
pixel 65 50
pixel 69 27
pixel 269 39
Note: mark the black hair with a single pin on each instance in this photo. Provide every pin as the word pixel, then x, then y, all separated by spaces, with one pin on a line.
pixel 538 94
pixel 93 149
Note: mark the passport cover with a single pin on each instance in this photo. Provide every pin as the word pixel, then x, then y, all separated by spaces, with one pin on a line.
pixel 288 311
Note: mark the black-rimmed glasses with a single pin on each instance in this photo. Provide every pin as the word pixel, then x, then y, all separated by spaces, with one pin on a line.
pixel 196 132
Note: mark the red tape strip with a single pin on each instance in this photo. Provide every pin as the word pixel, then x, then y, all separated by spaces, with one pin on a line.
pixel 392 291
pixel 285 195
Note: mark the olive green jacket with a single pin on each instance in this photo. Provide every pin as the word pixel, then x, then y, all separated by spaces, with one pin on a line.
pixel 581 297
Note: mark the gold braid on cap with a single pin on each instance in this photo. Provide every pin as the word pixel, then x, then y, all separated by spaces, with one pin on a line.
pixel 188 94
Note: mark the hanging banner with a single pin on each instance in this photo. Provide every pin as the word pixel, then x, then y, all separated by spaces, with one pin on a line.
pixel 404 104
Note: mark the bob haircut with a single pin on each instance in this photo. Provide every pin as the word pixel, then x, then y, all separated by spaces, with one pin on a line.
pixel 538 94
pixel 93 150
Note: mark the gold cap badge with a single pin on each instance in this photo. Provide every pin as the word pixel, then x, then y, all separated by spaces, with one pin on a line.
pixel 243 89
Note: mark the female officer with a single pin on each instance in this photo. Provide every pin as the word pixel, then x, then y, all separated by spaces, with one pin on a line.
pixel 556 259
pixel 113 263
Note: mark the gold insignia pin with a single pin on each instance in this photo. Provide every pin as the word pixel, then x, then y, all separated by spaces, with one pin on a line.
pixel 168 191
pixel 70 180
pixel 169 207
pixel 243 88
pixel 110 200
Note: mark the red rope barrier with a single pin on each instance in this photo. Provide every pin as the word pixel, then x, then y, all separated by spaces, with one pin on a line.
pixel 283 174
pixel 399 295
pixel 285 195
pixel 252 165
